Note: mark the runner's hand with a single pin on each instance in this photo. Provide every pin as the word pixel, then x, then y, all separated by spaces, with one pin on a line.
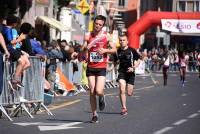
pixel 131 69
pixel 101 51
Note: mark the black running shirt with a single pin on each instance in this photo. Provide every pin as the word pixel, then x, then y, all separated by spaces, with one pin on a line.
pixel 126 58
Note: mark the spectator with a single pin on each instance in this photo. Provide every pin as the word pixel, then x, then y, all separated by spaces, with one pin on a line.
pixel 2 47
pixel 35 44
pixel 26 43
pixel 15 53
pixel 65 51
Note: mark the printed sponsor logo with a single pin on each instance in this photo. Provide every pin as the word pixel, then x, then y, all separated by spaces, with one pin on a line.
pixel 198 25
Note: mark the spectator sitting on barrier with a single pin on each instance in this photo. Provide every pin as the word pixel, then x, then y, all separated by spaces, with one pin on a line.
pixel 15 53
pixel 26 43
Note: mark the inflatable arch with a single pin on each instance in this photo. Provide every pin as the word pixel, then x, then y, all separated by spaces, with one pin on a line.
pixel 151 18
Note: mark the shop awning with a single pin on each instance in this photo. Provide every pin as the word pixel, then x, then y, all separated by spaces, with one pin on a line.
pixel 54 23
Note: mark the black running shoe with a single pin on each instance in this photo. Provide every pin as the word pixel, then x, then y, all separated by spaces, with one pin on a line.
pixel 102 103
pixel 94 119
pixel 12 85
pixel 19 84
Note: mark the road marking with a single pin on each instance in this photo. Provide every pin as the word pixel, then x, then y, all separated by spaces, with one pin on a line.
pixel 180 122
pixel 42 126
pixel 61 127
pixel 184 94
pixel 61 105
pixel 184 104
pixel 162 131
pixel 145 87
pixel 27 123
pixel 38 124
pixel 112 94
pixel 193 115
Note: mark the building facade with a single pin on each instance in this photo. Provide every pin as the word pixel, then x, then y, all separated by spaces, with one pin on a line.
pixel 182 41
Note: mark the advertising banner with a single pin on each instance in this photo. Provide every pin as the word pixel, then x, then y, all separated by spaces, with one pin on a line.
pixel 181 26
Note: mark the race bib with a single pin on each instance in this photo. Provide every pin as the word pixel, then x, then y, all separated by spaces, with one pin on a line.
pixel 96 57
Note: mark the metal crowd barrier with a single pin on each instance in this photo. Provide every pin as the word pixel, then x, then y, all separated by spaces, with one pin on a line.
pixel 76 77
pixel 7 96
pixel 111 76
pixel 32 93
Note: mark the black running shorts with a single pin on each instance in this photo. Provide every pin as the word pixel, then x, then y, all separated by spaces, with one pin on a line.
pixel 128 77
pixel 96 71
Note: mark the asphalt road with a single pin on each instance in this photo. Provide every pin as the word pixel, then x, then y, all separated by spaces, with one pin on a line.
pixel 154 109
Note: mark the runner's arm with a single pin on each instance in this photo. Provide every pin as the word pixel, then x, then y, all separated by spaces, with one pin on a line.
pixel 110 50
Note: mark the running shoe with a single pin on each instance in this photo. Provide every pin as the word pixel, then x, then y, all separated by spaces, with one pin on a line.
pixel 19 84
pixel 124 111
pixel 183 84
pixel 94 119
pixel 12 85
pixel 102 103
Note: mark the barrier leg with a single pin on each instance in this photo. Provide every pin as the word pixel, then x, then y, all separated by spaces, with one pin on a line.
pixel 40 104
pixel 47 110
pixel 35 106
pixel 21 106
pixel 5 113
pixel 16 111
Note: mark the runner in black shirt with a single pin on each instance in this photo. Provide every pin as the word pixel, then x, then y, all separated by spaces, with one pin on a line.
pixel 127 58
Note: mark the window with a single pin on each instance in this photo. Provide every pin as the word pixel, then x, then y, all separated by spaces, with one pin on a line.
pixel 46 10
pixel 197 6
pixel 181 6
pixel 190 6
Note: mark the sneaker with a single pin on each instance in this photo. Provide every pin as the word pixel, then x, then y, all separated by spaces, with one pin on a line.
pixel 12 85
pixel 94 119
pixel 102 103
pixel 124 111
pixel 183 84
pixel 19 84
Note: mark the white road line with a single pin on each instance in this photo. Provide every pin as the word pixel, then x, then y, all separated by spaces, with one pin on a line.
pixel 144 88
pixel 162 131
pixel 193 115
pixel 180 122
pixel 199 111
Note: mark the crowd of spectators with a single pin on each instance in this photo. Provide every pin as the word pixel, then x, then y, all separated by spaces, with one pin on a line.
pixel 154 60
pixel 22 41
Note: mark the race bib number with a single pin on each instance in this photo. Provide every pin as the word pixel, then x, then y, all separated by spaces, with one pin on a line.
pixel 96 57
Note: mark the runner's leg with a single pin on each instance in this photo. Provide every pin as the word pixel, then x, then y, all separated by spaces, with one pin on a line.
pixel 100 83
pixel 130 89
pixel 122 95
pixel 91 83
pixel 184 72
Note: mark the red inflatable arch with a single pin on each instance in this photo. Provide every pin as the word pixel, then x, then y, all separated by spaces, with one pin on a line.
pixel 151 18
